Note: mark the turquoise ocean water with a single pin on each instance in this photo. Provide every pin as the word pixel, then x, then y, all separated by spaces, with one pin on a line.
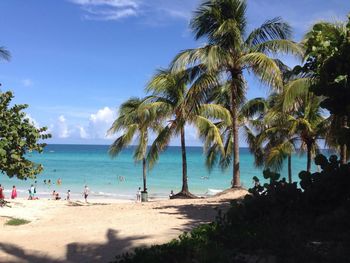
pixel 78 165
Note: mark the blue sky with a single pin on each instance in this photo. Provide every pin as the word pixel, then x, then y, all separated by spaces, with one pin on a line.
pixel 75 61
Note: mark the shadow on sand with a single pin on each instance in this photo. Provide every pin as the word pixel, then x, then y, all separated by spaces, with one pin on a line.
pixel 76 252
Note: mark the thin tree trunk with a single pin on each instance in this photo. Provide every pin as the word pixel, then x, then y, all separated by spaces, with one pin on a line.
pixel 144 174
pixel 290 169
pixel 343 148
pixel 184 162
pixel 236 171
pixel 309 158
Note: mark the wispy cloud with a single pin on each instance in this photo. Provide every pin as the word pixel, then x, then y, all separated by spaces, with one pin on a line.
pixel 157 10
pixel 107 9
pixel 27 82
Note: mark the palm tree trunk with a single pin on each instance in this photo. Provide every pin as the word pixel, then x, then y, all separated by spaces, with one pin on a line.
pixel 184 162
pixel 343 148
pixel 236 171
pixel 290 169
pixel 309 158
pixel 144 174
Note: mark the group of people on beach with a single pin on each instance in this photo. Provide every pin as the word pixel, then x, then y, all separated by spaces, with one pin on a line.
pixel 32 192
pixel 13 193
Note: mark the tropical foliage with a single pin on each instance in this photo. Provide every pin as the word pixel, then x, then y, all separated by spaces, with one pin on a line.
pixel 328 63
pixel 231 52
pixel 19 136
pixel 136 118
pixel 175 95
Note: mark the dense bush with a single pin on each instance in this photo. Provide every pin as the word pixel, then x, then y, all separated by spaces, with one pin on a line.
pixel 278 222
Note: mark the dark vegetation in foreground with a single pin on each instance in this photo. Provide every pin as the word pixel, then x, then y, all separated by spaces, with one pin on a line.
pixel 278 222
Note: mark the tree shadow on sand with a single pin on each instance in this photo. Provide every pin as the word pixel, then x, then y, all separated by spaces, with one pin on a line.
pixel 76 252
pixel 195 213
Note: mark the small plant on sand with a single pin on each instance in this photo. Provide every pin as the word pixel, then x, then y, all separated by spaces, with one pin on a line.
pixel 16 222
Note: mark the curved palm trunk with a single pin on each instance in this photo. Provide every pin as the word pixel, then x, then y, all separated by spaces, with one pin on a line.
pixel 309 158
pixel 343 148
pixel 290 169
pixel 144 174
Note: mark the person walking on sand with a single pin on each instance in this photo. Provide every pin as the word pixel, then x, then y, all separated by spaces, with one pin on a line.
pixel 14 192
pixel 86 193
pixel 31 192
pixel 68 196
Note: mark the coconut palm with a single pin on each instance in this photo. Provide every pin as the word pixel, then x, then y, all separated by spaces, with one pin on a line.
pixel 173 95
pixel 230 52
pixel 302 120
pixel 136 118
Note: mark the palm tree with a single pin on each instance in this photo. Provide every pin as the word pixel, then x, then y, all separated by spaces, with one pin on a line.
pixel 5 54
pixel 136 118
pixel 230 52
pixel 173 95
pixel 299 112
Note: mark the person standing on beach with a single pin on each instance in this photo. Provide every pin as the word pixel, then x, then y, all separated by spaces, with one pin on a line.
pixel 2 196
pixel 31 192
pixel 138 195
pixel 86 193
pixel 68 195
pixel 14 192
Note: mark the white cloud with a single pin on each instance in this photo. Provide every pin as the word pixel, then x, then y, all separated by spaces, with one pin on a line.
pixel 32 120
pixel 60 128
pixel 108 9
pixel 100 122
pixel 27 82
pixel 82 133
pixel 156 10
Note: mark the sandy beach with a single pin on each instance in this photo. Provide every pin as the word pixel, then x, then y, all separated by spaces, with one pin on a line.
pixel 96 232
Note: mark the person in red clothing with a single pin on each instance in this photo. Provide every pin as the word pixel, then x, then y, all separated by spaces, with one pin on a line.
pixel 2 192
pixel 14 192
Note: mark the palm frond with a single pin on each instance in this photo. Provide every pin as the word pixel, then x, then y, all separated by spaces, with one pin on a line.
pixel 5 54
pixel 264 67
pixel 271 29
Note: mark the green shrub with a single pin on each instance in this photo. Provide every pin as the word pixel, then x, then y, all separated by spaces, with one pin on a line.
pixel 16 222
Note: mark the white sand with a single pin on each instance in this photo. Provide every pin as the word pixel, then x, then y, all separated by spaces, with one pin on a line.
pixel 97 232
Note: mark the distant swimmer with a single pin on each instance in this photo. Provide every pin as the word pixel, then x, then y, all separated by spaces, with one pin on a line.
pixel 121 178
pixel 59 181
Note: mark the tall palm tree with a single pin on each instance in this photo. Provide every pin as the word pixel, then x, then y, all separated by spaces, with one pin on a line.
pixel 136 118
pixel 274 139
pixel 173 95
pixel 230 52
